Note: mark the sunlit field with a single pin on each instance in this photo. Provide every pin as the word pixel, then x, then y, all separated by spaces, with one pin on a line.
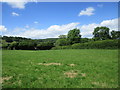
pixel 88 68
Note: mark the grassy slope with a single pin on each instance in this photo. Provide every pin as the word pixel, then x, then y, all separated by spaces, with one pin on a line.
pixel 99 66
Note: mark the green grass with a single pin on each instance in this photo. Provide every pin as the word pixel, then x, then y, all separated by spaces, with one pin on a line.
pixel 93 68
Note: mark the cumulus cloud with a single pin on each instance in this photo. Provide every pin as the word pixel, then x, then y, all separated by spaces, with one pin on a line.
pixel 89 11
pixel 51 32
pixel 55 30
pixel 14 14
pixel 18 3
pixel 87 30
pixel 3 28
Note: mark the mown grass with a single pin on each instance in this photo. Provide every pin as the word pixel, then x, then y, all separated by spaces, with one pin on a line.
pixel 93 68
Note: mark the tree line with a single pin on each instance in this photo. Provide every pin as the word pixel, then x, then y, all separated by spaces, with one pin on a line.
pixel 72 38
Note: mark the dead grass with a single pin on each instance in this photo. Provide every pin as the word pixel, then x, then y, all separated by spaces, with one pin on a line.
pixel 83 74
pixel 47 64
pixel 71 74
pixel 99 84
pixel 71 65
pixel 2 79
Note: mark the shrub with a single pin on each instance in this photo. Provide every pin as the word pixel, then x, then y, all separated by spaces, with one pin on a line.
pixel 104 44
pixel 45 45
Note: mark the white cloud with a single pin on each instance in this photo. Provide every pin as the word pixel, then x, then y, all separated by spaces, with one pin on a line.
pixel 112 24
pixel 36 22
pixel 51 32
pixel 14 14
pixel 55 30
pixel 18 3
pixel 3 28
pixel 89 11
pixel 87 30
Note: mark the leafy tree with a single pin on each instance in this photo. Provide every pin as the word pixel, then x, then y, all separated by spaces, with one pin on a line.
pixel 74 36
pixel 4 44
pixel 13 45
pixel 62 42
pixel 63 36
pixel 44 45
pixel 115 34
pixel 27 45
pixel 101 33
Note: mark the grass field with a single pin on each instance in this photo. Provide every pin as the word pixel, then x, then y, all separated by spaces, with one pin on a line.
pixel 60 69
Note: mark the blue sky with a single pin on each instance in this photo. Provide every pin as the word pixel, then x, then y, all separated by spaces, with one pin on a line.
pixel 51 19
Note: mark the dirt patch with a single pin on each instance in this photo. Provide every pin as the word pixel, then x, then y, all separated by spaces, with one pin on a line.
pixel 83 74
pixel 47 64
pixel 71 74
pixel 99 84
pixel 2 79
pixel 71 65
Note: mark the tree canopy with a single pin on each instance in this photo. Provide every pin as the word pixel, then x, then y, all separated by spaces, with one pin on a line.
pixel 74 36
pixel 101 33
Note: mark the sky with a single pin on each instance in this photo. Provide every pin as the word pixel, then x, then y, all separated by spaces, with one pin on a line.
pixel 40 20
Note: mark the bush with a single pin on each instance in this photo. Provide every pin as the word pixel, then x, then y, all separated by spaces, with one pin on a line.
pixel 45 45
pixel 104 44
pixel 4 44
pixel 27 45
pixel 61 47
pixel 62 42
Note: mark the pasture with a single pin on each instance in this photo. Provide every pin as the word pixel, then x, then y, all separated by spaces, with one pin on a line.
pixel 88 68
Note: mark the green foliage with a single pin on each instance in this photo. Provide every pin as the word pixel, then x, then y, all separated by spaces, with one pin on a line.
pixel 62 42
pixel 115 34
pixel 27 45
pixel 101 33
pixel 45 45
pixel 11 39
pixel 61 47
pixel 104 44
pixel 13 45
pixel 63 36
pixel 74 36
pixel 4 44
pixel 84 40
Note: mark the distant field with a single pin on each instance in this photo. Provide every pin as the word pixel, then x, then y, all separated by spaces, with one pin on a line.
pixel 60 69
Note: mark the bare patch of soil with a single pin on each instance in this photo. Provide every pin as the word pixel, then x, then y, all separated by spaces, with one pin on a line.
pixel 71 65
pixel 99 84
pixel 71 74
pixel 2 79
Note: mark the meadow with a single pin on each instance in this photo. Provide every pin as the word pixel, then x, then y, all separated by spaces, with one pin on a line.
pixel 80 68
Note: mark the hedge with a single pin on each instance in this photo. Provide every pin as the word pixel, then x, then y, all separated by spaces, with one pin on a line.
pixel 103 44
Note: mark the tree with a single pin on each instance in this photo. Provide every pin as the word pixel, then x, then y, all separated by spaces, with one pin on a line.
pixel 61 42
pixel 45 45
pixel 13 45
pixel 115 34
pixel 27 45
pixel 63 36
pixel 4 44
pixel 74 36
pixel 101 33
